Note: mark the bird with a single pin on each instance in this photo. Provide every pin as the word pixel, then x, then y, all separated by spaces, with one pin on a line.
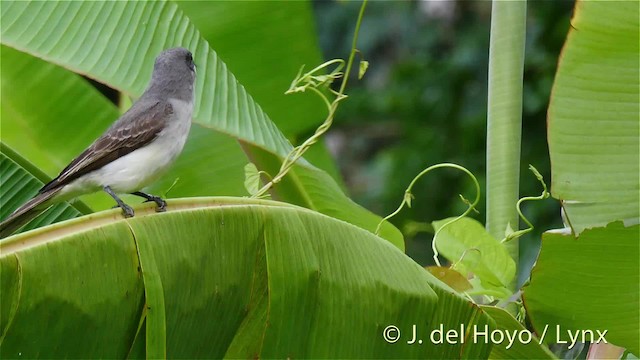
pixel 134 151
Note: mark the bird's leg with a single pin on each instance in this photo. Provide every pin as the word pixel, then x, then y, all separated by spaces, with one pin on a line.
pixel 162 205
pixel 126 209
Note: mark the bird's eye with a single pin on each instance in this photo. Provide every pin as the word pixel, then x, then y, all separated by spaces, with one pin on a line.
pixel 190 62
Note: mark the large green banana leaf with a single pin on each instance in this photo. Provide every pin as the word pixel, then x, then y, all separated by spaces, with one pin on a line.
pixel 593 120
pixel 216 277
pixel 19 181
pixel 115 43
pixel 521 345
pixel 589 283
pixel 587 275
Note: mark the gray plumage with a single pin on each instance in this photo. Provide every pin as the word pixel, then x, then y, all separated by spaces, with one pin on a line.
pixel 134 151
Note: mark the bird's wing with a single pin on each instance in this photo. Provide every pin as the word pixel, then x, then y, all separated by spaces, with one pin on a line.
pixel 135 129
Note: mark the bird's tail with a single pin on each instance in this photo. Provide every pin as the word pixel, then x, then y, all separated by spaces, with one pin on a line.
pixel 26 212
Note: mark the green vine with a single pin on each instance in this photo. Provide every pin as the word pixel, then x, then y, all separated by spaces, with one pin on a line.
pixel 165 194
pixel 544 195
pixel 408 197
pixel 314 80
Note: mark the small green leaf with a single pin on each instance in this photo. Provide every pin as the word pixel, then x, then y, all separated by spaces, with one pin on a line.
pixel 508 231
pixel 487 289
pixel 408 197
pixel 364 65
pixel 251 178
pixel 460 240
pixel 450 277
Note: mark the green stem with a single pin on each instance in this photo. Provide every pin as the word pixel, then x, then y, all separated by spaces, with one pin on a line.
pixel 299 150
pixel 504 118
pixel 352 55
pixel 544 195
pixel 408 196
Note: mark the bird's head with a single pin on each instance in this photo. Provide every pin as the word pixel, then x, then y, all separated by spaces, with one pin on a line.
pixel 174 71
pixel 176 60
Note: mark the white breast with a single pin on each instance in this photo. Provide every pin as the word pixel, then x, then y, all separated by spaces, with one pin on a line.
pixel 139 168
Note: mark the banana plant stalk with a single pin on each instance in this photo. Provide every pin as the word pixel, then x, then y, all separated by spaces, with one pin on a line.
pixel 504 118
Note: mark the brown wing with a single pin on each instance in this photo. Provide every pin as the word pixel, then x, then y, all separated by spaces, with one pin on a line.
pixel 135 129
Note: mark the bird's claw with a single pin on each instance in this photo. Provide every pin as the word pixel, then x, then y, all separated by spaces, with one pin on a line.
pixel 127 211
pixel 161 204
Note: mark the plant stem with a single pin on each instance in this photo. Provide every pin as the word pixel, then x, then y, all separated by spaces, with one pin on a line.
pixel 352 55
pixel 504 118
pixel 299 150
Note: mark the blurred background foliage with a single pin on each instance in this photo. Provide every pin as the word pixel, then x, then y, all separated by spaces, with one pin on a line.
pixel 423 101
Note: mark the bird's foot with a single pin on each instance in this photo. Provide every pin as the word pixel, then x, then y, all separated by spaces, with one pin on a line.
pixel 127 211
pixel 161 204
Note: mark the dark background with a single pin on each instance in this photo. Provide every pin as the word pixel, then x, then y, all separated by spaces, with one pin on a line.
pixel 423 101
